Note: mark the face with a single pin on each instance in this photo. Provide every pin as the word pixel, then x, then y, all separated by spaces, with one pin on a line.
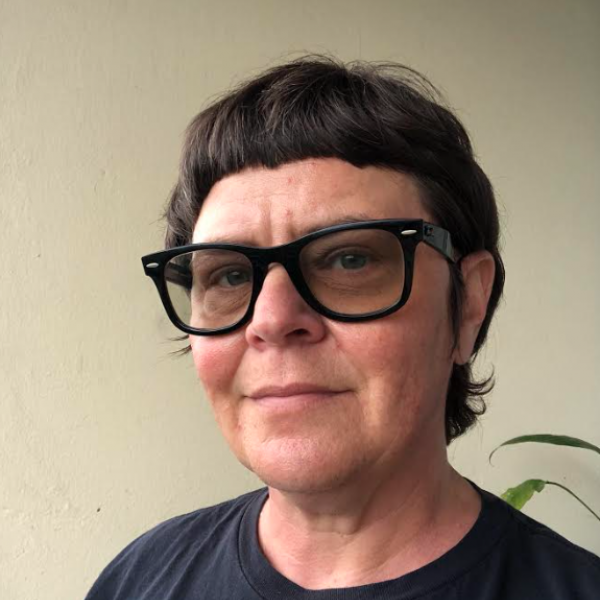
pixel 305 402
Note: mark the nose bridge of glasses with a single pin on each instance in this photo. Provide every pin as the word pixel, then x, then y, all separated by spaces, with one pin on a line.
pixel 279 255
pixel 266 257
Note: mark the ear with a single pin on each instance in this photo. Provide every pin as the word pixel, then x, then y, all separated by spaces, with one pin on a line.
pixel 478 271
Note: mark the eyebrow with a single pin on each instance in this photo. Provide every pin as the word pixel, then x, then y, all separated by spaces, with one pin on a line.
pixel 246 241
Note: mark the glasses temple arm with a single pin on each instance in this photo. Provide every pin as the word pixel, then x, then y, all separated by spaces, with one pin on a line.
pixel 439 239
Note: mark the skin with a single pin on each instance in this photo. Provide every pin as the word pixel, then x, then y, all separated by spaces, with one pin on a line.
pixel 360 489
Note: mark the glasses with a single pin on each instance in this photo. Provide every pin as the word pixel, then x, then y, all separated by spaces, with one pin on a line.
pixel 352 272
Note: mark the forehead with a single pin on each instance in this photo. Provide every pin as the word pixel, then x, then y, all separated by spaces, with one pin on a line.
pixel 266 207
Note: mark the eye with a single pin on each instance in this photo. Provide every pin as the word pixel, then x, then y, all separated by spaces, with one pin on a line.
pixel 341 260
pixel 232 278
pixel 226 277
pixel 350 261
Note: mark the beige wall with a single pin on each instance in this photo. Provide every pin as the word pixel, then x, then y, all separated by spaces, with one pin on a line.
pixel 102 433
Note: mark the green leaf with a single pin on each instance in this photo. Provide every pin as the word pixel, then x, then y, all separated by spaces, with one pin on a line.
pixel 548 438
pixel 520 495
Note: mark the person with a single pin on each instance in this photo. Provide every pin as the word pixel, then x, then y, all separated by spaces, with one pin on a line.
pixel 332 253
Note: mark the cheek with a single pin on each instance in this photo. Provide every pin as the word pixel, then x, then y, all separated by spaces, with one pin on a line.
pixel 216 360
pixel 395 347
pixel 402 362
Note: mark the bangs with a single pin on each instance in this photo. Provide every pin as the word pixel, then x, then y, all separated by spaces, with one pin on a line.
pixel 379 115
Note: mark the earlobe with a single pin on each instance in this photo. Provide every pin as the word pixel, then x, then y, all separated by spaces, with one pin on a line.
pixel 478 270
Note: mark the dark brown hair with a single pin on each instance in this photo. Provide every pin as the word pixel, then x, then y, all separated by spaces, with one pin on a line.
pixel 384 115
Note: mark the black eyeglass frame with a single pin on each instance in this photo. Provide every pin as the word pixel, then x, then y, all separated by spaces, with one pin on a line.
pixel 409 232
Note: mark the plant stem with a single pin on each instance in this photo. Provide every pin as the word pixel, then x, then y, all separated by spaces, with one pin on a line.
pixel 574 496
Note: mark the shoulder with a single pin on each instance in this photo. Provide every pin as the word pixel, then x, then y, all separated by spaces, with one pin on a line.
pixel 169 548
pixel 193 528
pixel 535 558
pixel 551 546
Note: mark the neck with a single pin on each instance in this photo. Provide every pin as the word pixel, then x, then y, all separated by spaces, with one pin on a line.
pixel 366 533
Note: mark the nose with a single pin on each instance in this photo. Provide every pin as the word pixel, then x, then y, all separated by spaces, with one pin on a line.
pixel 281 316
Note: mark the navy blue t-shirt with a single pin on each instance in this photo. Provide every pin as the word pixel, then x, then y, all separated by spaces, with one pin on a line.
pixel 213 554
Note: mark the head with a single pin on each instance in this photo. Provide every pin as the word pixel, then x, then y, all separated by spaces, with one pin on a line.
pixel 310 141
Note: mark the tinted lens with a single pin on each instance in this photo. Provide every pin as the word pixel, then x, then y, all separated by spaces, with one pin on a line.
pixel 209 289
pixel 355 272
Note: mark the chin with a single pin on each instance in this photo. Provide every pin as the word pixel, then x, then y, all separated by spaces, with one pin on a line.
pixel 302 466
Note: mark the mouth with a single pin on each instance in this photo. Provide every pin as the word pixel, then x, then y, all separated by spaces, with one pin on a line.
pixel 292 396
pixel 293 389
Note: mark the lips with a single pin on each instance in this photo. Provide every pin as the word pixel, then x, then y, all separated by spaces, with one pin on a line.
pixel 295 389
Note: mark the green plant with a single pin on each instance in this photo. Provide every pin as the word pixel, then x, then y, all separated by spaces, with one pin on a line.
pixel 521 494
